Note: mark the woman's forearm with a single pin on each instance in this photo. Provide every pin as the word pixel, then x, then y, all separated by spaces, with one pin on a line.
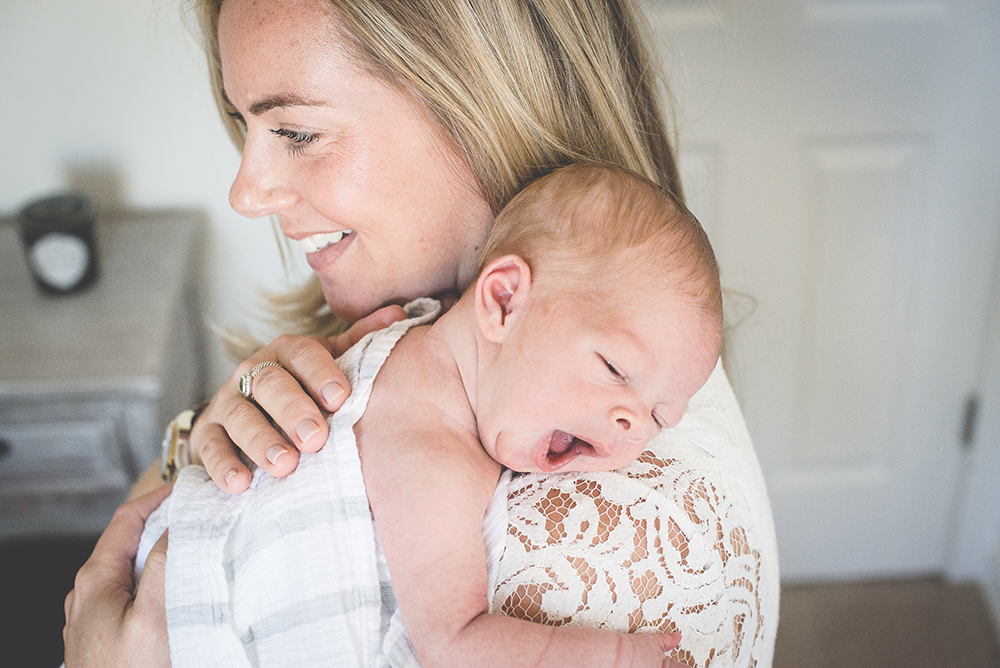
pixel 147 482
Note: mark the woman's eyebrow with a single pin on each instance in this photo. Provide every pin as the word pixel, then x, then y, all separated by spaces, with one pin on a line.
pixel 273 102
pixel 278 101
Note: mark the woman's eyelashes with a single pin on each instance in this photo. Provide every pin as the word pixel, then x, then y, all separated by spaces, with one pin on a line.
pixel 238 119
pixel 297 139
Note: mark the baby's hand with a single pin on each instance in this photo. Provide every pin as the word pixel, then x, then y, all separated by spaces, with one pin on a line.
pixel 670 663
pixel 666 642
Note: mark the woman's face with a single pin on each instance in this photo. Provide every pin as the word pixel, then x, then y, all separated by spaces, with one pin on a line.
pixel 385 207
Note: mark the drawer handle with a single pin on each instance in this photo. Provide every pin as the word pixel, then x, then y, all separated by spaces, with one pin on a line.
pixel 5 448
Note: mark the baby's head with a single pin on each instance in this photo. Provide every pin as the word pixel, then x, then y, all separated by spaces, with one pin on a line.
pixel 600 311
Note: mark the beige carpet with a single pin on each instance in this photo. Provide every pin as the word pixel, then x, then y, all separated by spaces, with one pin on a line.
pixel 905 623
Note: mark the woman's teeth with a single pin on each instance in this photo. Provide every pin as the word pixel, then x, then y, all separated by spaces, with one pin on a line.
pixel 320 241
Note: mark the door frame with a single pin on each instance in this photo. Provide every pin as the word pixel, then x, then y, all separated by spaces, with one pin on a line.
pixel 975 553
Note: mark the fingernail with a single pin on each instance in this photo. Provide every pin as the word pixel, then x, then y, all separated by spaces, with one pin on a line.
pixel 230 474
pixel 274 452
pixel 669 641
pixel 305 430
pixel 331 393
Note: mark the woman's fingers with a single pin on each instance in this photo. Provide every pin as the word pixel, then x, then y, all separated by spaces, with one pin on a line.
pixel 212 446
pixel 113 557
pixel 293 395
pixel 150 596
pixel 101 604
pixel 282 419
pixel 285 415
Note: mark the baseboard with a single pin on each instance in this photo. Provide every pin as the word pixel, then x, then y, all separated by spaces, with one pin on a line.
pixel 991 590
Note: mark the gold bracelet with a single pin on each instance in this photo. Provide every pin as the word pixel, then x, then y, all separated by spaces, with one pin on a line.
pixel 175 453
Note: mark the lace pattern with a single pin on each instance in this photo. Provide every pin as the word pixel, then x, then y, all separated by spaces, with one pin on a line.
pixel 681 540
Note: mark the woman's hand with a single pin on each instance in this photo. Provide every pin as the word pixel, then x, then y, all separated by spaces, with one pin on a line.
pixel 110 622
pixel 293 395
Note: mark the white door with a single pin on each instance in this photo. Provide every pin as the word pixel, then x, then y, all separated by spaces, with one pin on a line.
pixel 843 155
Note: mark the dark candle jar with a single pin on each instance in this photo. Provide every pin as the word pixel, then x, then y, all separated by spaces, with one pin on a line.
pixel 59 242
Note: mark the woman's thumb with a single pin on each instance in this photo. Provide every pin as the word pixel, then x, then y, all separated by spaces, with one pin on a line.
pixel 150 596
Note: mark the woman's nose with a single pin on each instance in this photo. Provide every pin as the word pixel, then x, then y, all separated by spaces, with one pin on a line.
pixel 259 188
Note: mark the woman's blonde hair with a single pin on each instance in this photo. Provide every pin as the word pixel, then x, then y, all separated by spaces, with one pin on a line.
pixel 522 87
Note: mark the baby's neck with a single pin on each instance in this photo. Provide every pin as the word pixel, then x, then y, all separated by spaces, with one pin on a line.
pixel 455 339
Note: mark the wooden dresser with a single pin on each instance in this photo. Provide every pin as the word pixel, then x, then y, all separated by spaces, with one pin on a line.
pixel 89 381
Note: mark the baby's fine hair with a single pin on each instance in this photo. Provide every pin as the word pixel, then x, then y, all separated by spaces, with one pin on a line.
pixel 583 225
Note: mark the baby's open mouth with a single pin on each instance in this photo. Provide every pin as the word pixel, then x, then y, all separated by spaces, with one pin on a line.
pixel 563 449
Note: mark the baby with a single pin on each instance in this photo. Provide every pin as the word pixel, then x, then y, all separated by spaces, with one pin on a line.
pixel 596 316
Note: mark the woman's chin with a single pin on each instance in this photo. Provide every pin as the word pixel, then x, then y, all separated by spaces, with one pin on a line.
pixel 345 303
pixel 352 304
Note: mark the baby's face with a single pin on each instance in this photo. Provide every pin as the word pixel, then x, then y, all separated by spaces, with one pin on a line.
pixel 575 388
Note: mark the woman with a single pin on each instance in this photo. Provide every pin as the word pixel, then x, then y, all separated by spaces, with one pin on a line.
pixel 384 136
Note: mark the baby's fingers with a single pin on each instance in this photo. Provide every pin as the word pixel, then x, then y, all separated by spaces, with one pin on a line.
pixel 670 663
pixel 668 641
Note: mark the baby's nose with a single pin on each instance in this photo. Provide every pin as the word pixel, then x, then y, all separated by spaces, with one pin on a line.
pixel 634 424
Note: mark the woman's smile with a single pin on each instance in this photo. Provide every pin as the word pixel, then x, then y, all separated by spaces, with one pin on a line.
pixel 384 206
pixel 322 250
pixel 318 242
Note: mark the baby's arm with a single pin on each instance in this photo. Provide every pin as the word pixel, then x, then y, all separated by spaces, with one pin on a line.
pixel 429 491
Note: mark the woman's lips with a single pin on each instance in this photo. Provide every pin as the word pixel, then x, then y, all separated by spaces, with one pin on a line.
pixel 317 242
pixel 328 248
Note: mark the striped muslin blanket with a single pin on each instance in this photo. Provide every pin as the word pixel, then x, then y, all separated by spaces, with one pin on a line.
pixel 290 573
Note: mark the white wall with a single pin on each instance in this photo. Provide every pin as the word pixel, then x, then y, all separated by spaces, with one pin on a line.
pixel 95 91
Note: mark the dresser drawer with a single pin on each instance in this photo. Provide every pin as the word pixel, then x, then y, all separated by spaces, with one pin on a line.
pixel 60 456
pixel 88 381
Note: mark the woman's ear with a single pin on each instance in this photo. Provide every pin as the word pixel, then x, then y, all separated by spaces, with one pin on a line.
pixel 501 295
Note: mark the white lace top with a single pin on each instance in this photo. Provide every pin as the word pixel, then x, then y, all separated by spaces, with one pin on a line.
pixel 681 540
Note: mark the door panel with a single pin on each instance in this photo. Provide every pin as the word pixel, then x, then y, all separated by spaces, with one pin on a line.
pixel 843 157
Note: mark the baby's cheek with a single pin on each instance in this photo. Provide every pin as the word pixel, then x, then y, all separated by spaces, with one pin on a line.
pixel 633 453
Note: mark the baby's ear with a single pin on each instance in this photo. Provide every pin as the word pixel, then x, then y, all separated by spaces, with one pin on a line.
pixel 501 295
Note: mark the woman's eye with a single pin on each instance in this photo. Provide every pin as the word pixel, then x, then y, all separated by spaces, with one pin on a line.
pixel 297 139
